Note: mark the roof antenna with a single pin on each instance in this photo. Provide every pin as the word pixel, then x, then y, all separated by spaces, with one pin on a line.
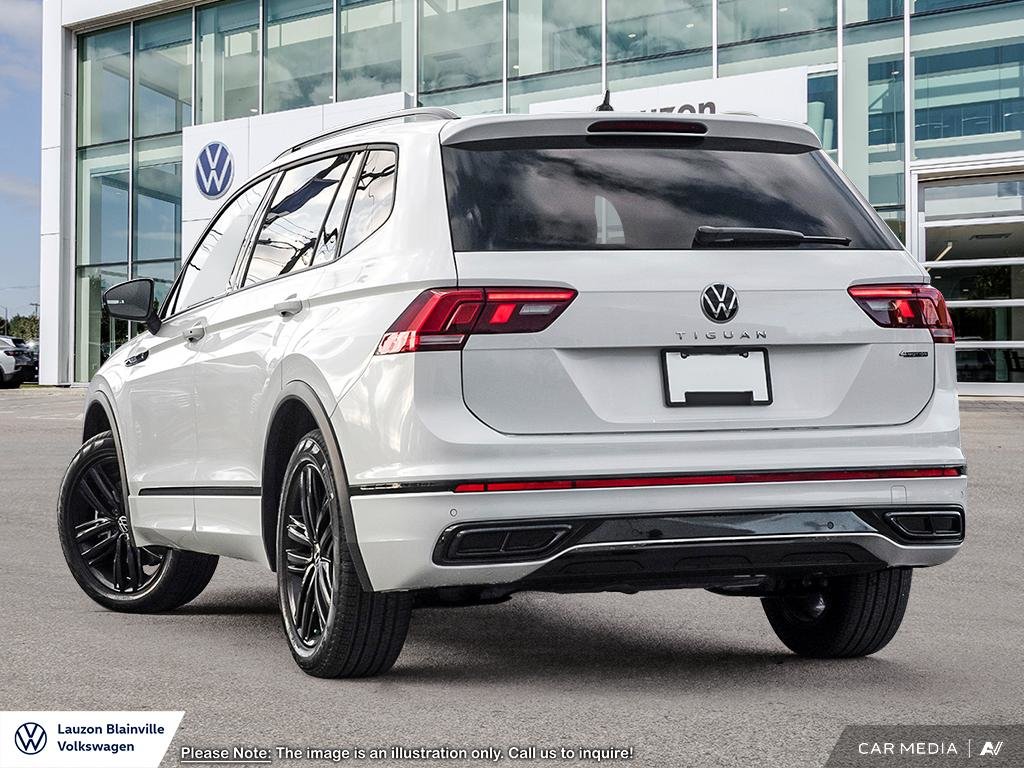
pixel 606 105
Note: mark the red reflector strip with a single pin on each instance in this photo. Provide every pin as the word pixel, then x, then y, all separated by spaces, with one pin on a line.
pixel 749 477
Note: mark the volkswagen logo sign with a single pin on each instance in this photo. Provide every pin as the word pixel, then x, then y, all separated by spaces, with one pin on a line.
pixel 719 303
pixel 215 170
pixel 30 738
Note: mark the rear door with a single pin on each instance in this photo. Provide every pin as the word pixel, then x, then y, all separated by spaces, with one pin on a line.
pixel 249 335
pixel 669 334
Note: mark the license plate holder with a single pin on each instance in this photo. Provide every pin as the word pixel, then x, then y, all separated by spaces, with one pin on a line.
pixel 716 376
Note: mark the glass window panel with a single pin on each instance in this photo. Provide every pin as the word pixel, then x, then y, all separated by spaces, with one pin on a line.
pixel 989 365
pixel 97 335
pixel 327 247
pixel 661 195
pixel 547 36
pixel 788 32
pixel 157 190
pixel 822 109
pixel 524 91
pixel 968 89
pixel 981 198
pixel 163 74
pixel 924 6
pixel 478 100
pixel 554 51
pixel 460 44
pixel 654 42
pixel 104 85
pixel 978 282
pixel 227 60
pixel 298 70
pixel 102 204
pixel 988 323
pixel 370 48
pixel 858 11
pixel 896 219
pixel 874 141
pixel 161 272
pixel 374 196
pixel 291 226
pixel 207 274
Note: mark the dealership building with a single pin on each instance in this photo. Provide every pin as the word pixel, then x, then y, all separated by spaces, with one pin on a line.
pixel 921 102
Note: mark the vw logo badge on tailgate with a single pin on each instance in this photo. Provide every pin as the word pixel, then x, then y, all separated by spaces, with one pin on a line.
pixel 719 303
pixel 215 170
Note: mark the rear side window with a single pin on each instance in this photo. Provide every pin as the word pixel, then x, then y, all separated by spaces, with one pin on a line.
pixel 287 240
pixel 374 197
pixel 207 272
pixel 573 195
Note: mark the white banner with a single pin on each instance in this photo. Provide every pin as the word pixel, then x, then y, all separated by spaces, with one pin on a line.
pixel 780 94
pixel 86 739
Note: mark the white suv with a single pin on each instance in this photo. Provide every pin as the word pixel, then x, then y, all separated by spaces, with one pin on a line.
pixel 435 360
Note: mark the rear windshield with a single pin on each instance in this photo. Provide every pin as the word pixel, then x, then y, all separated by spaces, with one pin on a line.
pixel 570 194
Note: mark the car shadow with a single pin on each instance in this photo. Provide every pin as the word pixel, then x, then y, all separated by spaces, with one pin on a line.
pixel 534 640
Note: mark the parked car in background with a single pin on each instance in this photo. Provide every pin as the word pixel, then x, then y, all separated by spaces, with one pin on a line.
pixel 17 362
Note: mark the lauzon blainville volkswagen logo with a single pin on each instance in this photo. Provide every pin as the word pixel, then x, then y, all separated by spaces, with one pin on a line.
pixel 215 168
pixel 30 738
pixel 719 303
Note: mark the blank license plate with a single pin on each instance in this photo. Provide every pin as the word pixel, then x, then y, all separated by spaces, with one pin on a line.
pixel 717 377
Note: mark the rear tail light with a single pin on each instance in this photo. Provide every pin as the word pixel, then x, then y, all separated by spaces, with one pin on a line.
pixel 443 318
pixel 907 306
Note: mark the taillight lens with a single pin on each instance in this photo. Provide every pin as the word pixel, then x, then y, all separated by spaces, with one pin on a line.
pixel 443 318
pixel 907 306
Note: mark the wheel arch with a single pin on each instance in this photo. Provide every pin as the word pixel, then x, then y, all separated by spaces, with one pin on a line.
pixel 297 411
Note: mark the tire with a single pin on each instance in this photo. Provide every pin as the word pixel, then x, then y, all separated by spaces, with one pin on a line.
pixel 334 627
pixel 99 547
pixel 852 616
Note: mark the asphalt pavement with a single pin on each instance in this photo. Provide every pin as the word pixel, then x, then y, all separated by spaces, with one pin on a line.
pixel 683 678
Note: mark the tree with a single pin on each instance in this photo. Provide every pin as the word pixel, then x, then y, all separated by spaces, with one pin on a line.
pixel 22 326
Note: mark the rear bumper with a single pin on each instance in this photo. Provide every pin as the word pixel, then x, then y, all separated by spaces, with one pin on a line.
pixel 638 537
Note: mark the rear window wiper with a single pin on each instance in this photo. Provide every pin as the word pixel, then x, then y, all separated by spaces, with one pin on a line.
pixel 740 237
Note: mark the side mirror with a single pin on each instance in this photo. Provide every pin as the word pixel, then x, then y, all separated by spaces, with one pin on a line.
pixel 133 300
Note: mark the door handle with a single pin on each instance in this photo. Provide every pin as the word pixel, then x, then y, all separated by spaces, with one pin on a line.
pixel 195 333
pixel 288 307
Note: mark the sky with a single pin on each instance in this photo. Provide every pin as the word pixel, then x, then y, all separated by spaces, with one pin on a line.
pixel 20 27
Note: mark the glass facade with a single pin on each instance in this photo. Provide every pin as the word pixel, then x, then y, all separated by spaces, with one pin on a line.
pixel 892 91
pixel 298 64
pixel 227 60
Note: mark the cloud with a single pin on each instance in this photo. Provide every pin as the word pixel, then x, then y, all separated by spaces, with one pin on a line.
pixel 20 31
pixel 21 22
pixel 20 191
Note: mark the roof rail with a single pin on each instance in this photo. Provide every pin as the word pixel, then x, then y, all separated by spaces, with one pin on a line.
pixel 434 113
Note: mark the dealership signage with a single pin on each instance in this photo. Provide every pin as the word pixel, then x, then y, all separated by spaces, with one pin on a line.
pixel 779 95
pixel 214 170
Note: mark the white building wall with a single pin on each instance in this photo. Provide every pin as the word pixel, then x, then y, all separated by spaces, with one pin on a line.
pixel 55 281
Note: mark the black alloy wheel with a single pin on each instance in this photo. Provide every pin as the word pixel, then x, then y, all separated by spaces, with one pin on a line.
pixel 101 534
pixel 309 553
pixel 100 550
pixel 334 627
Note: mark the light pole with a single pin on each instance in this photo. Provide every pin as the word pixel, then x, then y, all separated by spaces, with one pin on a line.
pixel 7 323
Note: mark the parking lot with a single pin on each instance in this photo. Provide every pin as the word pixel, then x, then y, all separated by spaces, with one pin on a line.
pixel 684 678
